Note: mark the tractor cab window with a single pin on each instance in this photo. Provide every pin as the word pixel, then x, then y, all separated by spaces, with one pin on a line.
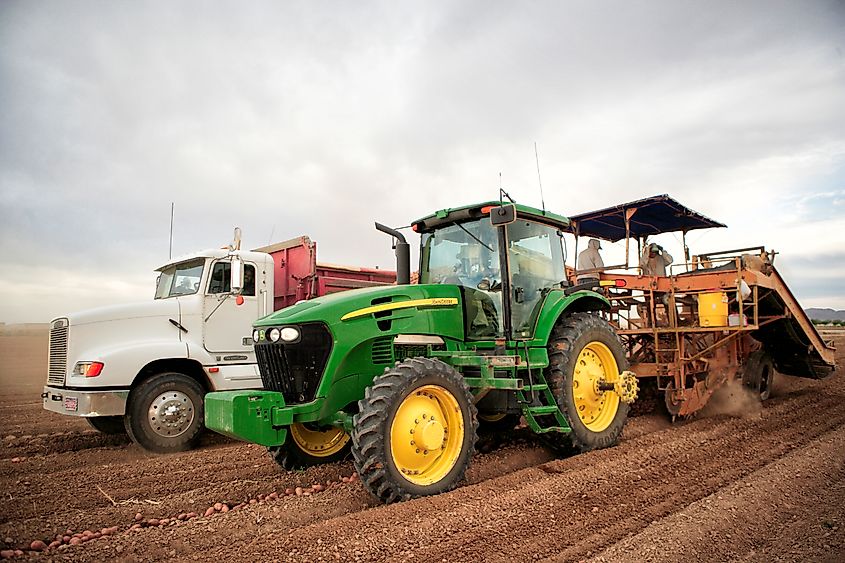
pixel 467 255
pixel 180 279
pixel 536 258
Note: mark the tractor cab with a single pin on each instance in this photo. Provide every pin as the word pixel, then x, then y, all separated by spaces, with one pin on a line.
pixel 505 259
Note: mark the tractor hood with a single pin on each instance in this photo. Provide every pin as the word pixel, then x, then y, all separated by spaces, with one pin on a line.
pixel 398 309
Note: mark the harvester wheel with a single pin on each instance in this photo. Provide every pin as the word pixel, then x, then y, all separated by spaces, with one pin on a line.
pixel 586 358
pixel 307 445
pixel 415 431
pixel 759 373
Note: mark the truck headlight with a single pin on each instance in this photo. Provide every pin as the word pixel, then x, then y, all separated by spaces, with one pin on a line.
pixel 273 334
pixel 290 334
pixel 88 369
pixel 256 335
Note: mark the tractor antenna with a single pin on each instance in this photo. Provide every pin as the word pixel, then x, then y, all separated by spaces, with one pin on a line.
pixel 500 187
pixel 537 159
pixel 170 252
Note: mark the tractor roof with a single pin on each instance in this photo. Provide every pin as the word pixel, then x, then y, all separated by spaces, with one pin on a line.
pixel 649 216
pixel 473 212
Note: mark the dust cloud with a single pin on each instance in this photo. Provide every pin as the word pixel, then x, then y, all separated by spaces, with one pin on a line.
pixel 734 399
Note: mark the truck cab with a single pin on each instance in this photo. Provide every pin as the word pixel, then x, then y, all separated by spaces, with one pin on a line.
pixel 143 368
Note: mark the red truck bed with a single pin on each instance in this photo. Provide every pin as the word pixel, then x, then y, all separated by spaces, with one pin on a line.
pixel 299 276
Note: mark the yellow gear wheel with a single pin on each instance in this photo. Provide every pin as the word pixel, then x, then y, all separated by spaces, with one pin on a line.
pixel 627 387
pixel 427 434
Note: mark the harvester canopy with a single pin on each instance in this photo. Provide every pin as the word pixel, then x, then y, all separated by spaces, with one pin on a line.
pixel 645 217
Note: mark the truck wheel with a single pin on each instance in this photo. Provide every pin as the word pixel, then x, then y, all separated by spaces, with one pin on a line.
pixel 307 445
pixel 584 351
pixel 415 432
pixel 759 373
pixel 112 425
pixel 165 413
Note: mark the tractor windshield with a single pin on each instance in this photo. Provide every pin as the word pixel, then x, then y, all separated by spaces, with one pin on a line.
pixel 467 254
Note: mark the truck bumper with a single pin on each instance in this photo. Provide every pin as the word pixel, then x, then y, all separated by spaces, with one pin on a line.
pixel 84 403
pixel 259 417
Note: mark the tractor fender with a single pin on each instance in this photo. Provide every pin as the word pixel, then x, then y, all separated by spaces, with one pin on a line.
pixel 557 304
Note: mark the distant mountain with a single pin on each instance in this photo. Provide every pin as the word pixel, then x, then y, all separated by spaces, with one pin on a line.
pixel 826 314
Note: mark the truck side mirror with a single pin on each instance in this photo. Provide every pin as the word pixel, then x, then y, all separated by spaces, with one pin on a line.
pixel 503 215
pixel 237 275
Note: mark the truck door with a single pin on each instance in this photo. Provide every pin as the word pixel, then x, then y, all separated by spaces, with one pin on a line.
pixel 228 326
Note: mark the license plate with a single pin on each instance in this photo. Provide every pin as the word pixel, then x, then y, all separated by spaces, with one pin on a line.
pixel 71 403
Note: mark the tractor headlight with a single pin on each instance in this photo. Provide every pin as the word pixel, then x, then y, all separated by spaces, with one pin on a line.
pixel 273 334
pixel 290 334
pixel 256 335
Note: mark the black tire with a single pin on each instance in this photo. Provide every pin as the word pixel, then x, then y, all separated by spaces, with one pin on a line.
pixel 497 423
pixel 570 336
pixel 291 455
pixel 111 425
pixel 759 373
pixel 158 431
pixel 372 450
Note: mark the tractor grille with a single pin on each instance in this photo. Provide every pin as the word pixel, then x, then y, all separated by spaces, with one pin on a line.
pixel 57 361
pixel 296 369
pixel 382 350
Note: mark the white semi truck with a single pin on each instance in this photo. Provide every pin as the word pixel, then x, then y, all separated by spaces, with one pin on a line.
pixel 144 368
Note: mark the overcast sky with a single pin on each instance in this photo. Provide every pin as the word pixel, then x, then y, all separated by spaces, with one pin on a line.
pixel 317 118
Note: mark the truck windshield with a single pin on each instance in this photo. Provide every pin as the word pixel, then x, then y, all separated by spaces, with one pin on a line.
pixel 180 279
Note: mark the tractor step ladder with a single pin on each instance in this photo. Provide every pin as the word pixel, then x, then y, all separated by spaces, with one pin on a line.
pixel 531 411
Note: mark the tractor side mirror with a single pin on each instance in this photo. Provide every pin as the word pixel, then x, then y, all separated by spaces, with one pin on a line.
pixel 503 215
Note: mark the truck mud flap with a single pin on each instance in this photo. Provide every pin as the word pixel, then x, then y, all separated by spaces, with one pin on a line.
pixel 259 417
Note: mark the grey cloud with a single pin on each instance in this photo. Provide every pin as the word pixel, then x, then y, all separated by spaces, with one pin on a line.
pixel 307 118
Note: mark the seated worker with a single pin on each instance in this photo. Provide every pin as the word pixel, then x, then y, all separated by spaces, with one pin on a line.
pixel 249 281
pixel 590 259
pixel 654 260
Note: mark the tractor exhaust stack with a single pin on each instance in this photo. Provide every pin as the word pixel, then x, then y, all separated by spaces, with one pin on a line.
pixel 403 254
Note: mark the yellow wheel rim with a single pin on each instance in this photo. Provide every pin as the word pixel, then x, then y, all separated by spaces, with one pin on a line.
pixel 596 408
pixel 427 435
pixel 318 443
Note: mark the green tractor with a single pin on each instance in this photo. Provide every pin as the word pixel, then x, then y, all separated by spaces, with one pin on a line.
pixel 404 375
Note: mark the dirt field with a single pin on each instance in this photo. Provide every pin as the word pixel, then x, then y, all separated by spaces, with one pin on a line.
pixel 766 486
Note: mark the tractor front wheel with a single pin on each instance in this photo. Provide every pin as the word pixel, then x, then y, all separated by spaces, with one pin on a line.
pixel 308 445
pixel 415 432
pixel 586 361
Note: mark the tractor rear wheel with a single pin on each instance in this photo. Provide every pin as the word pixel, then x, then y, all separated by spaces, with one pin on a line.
pixel 585 358
pixel 415 431
pixel 307 445
pixel 759 373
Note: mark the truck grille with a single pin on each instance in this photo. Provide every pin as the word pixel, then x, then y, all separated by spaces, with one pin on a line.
pixel 295 369
pixel 57 361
